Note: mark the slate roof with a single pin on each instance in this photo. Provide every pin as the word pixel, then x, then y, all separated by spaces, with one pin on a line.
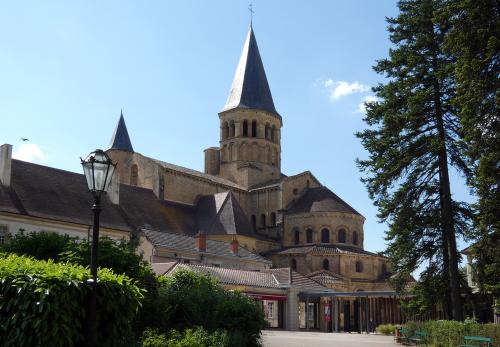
pixel 266 278
pixel 120 139
pixel 221 214
pixel 188 243
pixel 250 88
pixel 320 199
pixel 321 250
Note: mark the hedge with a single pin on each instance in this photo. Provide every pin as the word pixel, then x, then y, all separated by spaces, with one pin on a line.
pixel 451 333
pixel 43 303
pixel 198 337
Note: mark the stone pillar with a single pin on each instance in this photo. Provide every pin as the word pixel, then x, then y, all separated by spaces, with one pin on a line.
pixel 336 315
pixel 237 129
pixel 292 310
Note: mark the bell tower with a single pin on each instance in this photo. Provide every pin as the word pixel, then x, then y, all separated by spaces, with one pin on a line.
pixel 250 126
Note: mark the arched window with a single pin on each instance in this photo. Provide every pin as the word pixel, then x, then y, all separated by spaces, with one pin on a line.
pixel 267 131
pixel 293 264
pixel 326 264
pixel 245 128
pixel 254 222
pixel 325 235
pixel 309 236
pixel 133 175
pixel 341 236
pixel 225 131
pixel 254 128
pixel 359 266
pixel 263 220
pixel 296 237
pixel 273 219
pixel 355 237
pixel 232 129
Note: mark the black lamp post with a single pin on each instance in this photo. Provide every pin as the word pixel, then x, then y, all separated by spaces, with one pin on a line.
pixel 98 169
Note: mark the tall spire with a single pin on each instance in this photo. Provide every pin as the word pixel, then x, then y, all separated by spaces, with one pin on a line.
pixel 120 139
pixel 250 88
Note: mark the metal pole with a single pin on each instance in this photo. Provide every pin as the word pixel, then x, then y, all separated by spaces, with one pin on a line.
pixel 92 313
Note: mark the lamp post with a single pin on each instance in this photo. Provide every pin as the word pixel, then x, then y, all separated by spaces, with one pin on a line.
pixel 98 169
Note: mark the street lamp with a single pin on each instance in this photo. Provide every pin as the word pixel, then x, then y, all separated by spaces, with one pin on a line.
pixel 98 169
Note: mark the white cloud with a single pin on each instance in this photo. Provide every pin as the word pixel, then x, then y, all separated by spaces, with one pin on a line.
pixel 338 89
pixel 29 152
pixel 368 98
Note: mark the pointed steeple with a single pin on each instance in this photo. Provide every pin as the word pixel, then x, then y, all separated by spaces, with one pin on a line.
pixel 250 88
pixel 120 139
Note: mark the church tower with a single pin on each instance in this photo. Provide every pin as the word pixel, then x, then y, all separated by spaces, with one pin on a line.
pixel 250 126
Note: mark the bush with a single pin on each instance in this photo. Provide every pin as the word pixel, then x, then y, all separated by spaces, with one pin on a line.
pixel 386 329
pixel 451 333
pixel 42 245
pixel 43 303
pixel 198 337
pixel 188 300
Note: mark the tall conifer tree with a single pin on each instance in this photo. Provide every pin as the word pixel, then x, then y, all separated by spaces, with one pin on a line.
pixel 413 138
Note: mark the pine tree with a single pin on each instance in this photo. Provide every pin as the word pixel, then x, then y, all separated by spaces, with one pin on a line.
pixel 413 138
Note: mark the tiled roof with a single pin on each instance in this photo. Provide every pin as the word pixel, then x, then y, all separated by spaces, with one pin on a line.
pixel 326 277
pixel 299 280
pixel 322 249
pixel 201 175
pixel 221 214
pixel 250 88
pixel 188 243
pixel 320 199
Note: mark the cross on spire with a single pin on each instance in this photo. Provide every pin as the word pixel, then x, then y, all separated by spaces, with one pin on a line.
pixel 250 9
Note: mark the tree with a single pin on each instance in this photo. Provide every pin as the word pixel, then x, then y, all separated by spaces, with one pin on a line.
pixel 413 138
pixel 475 40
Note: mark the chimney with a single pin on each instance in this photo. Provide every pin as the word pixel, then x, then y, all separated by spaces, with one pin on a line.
pixel 201 241
pixel 5 164
pixel 114 189
pixel 234 246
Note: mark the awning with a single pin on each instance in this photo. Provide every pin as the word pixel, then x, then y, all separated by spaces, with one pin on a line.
pixel 258 296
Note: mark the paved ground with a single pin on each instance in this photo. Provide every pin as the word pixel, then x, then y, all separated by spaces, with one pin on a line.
pixel 317 339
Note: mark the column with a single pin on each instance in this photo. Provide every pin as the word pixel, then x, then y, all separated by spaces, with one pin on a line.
pixel 336 315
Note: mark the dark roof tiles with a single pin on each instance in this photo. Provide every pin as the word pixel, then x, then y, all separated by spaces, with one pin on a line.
pixel 120 139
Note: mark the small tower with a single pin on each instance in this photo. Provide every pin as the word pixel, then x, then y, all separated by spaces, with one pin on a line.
pixel 250 126
pixel 120 139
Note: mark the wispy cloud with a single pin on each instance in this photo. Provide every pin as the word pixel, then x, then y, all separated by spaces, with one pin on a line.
pixel 338 89
pixel 368 98
pixel 29 152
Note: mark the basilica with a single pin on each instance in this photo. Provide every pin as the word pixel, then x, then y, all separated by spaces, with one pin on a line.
pixel 288 241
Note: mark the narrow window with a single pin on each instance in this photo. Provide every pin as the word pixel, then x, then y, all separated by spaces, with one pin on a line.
pixel 254 128
pixel 309 236
pixel 297 237
pixel 325 235
pixel 355 237
pixel 263 220
pixel 225 131
pixel 254 222
pixel 273 219
pixel 359 266
pixel 341 236
pixel 245 128
pixel 293 264
pixel 326 264
pixel 267 130
pixel 133 175
pixel 232 129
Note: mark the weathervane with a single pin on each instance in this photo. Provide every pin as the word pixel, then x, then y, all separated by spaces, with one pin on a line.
pixel 250 8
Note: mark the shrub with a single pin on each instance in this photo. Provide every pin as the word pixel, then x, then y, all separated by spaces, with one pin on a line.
pixel 43 303
pixel 451 333
pixel 187 300
pixel 386 329
pixel 42 245
pixel 198 337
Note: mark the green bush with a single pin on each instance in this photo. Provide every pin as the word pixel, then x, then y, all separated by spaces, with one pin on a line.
pixel 451 333
pixel 187 300
pixel 198 337
pixel 42 245
pixel 386 329
pixel 43 303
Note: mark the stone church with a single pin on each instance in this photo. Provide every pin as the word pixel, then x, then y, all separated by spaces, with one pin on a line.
pixel 294 220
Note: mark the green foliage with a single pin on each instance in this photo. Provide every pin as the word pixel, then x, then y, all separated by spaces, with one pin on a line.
pixel 41 245
pixel 451 333
pixel 43 303
pixel 188 300
pixel 386 329
pixel 198 337
pixel 413 138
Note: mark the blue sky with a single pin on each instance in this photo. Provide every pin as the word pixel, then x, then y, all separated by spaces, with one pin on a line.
pixel 67 68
